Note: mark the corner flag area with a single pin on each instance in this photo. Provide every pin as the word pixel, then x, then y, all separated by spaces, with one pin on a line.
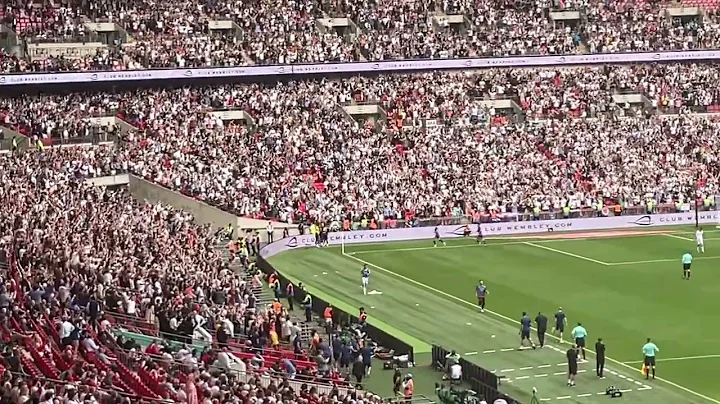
pixel 624 288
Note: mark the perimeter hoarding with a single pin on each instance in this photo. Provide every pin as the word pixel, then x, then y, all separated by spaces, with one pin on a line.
pixel 496 229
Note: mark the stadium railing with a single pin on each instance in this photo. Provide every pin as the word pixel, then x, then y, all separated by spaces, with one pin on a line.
pixel 481 380
pixel 342 317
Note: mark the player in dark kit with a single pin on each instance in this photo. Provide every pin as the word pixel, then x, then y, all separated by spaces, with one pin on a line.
pixel 480 238
pixel 572 359
pixel 541 321
pixel 437 238
pixel 525 326
pixel 481 291
pixel 599 358
pixel 560 322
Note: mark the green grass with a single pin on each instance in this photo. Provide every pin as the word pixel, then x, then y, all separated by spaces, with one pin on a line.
pixel 622 289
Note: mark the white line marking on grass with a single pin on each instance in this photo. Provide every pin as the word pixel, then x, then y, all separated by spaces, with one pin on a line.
pixel 584 395
pixel 470 353
pixel 677 237
pixel 489 351
pixel 510 320
pixel 507 349
pixel 545 399
pixel 644 388
pixel 522 377
pixel 680 358
pixel 542 375
pixel 507 370
pixel 527 368
pixel 544 366
pixel 563 397
pixel 569 254
pixel 659 260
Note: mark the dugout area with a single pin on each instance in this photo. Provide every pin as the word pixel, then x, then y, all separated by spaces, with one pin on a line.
pixel 623 288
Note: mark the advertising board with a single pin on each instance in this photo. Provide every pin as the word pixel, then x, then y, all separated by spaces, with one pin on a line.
pixel 360 67
pixel 496 229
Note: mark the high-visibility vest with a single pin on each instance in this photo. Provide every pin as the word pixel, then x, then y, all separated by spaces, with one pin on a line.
pixel 277 306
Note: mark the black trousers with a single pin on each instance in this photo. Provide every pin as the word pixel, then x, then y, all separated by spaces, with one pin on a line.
pixel 599 365
pixel 541 336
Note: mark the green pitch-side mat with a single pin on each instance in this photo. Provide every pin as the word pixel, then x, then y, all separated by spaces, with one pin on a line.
pixel 622 288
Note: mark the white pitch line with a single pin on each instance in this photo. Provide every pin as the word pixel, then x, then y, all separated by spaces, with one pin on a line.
pixel 680 358
pixel 510 320
pixel 527 368
pixel 507 349
pixel 584 395
pixel 569 254
pixel 563 397
pixel 489 351
pixel 677 237
pixel 543 366
pixel 522 377
pixel 470 353
pixel 542 375
pixel 507 370
pixel 659 260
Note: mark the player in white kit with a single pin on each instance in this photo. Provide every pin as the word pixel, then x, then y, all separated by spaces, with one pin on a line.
pixel 700 241
pixel 365 274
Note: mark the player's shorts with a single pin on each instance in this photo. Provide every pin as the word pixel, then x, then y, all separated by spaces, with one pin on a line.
pixel 649 361
pixel 525 334
pixel 572 368
pixel 686 267
pixel 365 281
pixel 700 242
pixel 560 327
pixel 580 342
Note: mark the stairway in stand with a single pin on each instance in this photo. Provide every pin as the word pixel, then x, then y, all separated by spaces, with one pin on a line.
pixel 265 297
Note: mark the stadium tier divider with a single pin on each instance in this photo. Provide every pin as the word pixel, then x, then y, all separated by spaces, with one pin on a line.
pixel 481 380
pixel 341 317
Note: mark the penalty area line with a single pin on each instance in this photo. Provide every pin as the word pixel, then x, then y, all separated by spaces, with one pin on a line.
pixel 510 321
pixel 569 254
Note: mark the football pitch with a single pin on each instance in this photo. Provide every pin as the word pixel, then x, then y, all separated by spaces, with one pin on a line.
pixel 622 287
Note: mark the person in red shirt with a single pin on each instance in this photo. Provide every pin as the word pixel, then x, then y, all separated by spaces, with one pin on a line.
pixel 153 349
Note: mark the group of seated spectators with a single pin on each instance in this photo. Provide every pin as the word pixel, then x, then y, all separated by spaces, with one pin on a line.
pixel 438 151
pixel 104 299
pixel 180 34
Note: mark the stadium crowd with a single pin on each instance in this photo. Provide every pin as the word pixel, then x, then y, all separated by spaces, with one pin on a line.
pixel 85 260
pixel 180 34
pixel 302 156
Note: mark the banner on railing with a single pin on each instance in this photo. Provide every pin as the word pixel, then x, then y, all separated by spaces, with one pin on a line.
pixel 496 229
pixel 361 67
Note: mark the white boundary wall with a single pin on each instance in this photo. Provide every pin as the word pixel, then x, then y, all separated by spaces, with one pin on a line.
pixel 497 229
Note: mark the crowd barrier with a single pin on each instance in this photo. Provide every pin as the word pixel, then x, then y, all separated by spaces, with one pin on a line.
pixel 341 317
pixel 352 68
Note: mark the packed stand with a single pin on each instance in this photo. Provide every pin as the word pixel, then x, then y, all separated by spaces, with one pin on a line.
pixel 89 262
pixel 177 34
pixel 283 32
pixel 646 27
pixel 303 157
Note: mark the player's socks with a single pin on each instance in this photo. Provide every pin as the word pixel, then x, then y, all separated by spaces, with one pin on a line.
pixel 653 373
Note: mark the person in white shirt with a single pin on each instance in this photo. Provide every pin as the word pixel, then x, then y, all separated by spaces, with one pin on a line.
pixel 700 240
pixel 228 362
pixel 270 233
pixel 455 372
pixel 66 329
